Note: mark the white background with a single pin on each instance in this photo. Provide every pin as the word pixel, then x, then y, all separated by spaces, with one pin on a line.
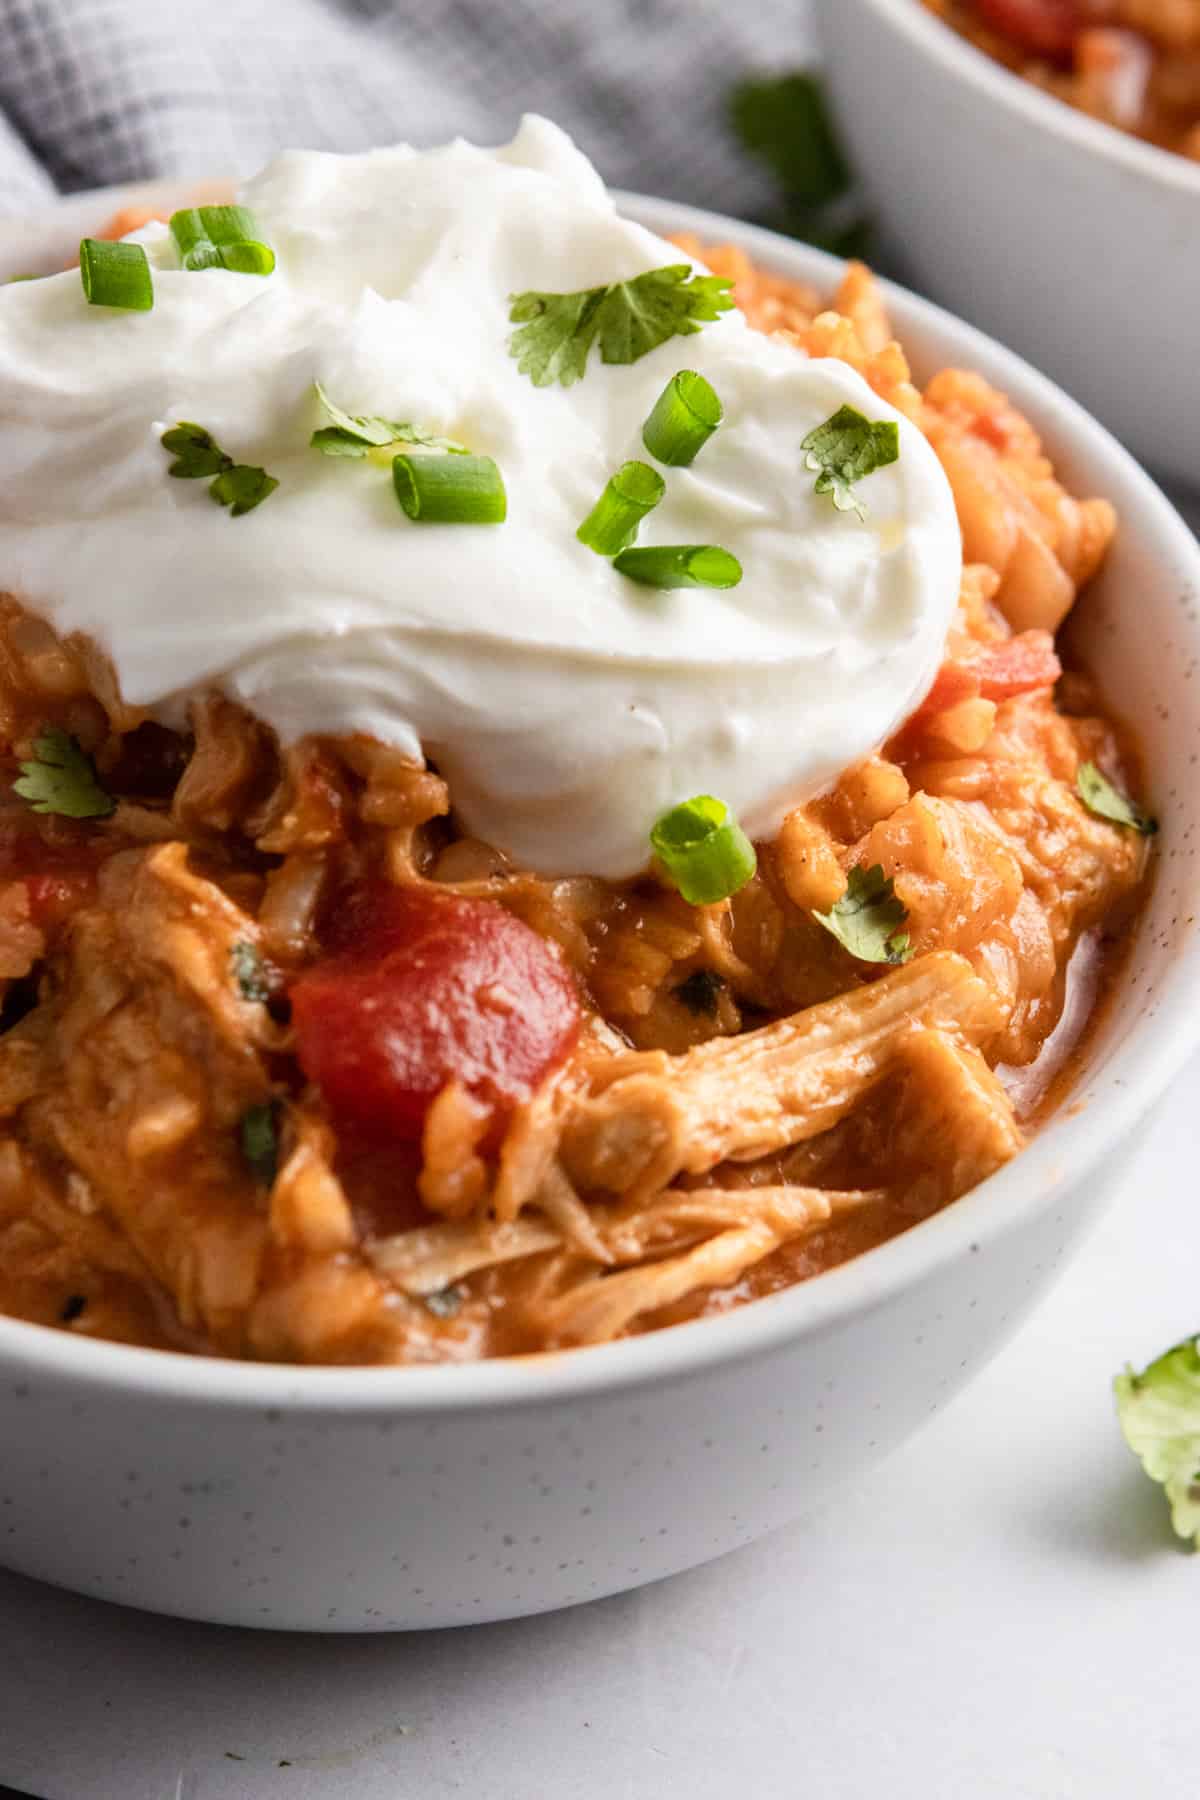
pixel 1001 1614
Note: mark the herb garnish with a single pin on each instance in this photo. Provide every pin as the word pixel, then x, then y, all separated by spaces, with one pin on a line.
pixel 613 523
pixel 703 850
pixel 221 237
pixel 62 779
pixel 355 434
pixel 784 121
pixel 866 920
pixel 847 448
pixel 1108 802
pixel 259 1137
pixel 239 486
pixel 116 275
pixel 700 992
pixel 628 318
pixel 250 972
pixel 445 1303
pixel 1159 1413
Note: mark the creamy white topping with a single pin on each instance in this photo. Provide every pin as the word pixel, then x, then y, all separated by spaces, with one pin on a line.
pixel 566 706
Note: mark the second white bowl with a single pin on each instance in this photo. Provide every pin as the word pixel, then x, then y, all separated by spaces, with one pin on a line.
pixel 1073 242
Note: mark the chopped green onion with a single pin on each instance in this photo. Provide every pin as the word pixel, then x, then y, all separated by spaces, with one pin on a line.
pixel 612 524
pixel 221 237
pixel 450 490
pixel 704 850
pixel 680 566
pixel 229 224
pixel 250 258
pixel 115 275
pixel 685 415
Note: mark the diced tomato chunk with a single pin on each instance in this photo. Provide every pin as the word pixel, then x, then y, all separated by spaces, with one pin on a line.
pixel 54 896
pixel 1043 27
pixel 953 682
pixel 59 877
pixel 422 989
pixel 1001 671
pixel 1020 666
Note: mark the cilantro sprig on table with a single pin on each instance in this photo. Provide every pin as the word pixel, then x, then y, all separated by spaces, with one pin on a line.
pixel 846 449
pixel 239 486
pixel 784 121
pixel 867 919
pixel 1159 1414
pixel 62 779
pixel 627 319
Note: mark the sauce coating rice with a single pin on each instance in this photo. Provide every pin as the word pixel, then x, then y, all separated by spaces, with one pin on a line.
pixel 704 1103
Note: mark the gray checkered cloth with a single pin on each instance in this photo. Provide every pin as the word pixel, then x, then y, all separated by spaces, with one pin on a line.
pixel 100 91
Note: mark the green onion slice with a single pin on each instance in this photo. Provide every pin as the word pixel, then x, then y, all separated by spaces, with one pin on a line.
pixel 221 237
pixel 450 490
pixel 115 275
pixel 680 566
pixel 704 850
pixel 631 493
pixel 685 415
pixel 229 224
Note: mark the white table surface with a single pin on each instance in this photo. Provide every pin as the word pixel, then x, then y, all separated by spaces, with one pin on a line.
pixel 1001 1614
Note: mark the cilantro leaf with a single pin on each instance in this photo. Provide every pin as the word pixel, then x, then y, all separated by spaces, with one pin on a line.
pixel 195 452
pixel 242 488
pixel 700 992
pixel 845 449
pixel 250 972
pixel 239 486
pixel 63 779
pixel 630 318
pixel 356 434
pixel 258 1135
pixel 637 316
pixel 1159 1415
pixel 784 120
pixel 1108 802
pixel 446 1302
pixel 866 920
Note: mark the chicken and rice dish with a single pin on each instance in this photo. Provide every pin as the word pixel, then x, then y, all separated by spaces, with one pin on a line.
pixel 549 950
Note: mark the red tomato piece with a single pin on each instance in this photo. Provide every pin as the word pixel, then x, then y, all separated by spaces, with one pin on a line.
pixel 1020 666
pixel 55 895
pixel 953 682
pixel 423 989
pixel 1043 27
pixel 59 877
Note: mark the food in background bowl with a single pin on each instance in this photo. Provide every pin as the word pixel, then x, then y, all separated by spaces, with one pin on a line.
pixel 1134 64
pixel 524 827
pixel 1034 201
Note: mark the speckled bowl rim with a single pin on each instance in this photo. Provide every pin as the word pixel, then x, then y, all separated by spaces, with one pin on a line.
pixel 975 68
pixel 1133 1076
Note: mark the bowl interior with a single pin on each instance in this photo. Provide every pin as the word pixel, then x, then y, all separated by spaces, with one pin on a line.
pixel 1140 631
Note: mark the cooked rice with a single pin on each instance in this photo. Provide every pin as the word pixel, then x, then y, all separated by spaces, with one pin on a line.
pixel 690 1155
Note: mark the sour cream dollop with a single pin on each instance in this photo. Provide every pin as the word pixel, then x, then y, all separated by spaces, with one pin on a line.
pixel 567 707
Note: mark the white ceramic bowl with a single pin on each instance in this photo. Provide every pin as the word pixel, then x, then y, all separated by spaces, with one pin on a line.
pixel 1073 242
pixel 363 1499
